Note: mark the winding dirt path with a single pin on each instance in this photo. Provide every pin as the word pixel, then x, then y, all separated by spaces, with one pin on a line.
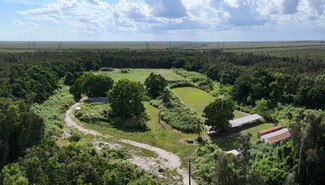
pixel 172 160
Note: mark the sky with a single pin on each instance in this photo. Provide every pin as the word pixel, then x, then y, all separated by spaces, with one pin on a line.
pixel 162 20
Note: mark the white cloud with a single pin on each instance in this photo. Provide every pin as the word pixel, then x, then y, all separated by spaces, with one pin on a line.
pixel 169 9
pixel 156 16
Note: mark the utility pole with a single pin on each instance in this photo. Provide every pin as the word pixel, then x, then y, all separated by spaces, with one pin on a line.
pixel 189 171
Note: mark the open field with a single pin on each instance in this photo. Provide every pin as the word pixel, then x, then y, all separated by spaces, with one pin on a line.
pixel 197 100
pixel 50 45
pixel 194 98
pixel 141 74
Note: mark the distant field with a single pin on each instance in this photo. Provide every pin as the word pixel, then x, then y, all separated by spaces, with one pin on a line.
pixel 141 74
pixel 49 45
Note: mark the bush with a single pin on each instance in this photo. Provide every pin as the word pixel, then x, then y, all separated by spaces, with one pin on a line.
pixel 180 83
pixel 194 79
pixel 125 70
pixel 107 69
pixel 75 137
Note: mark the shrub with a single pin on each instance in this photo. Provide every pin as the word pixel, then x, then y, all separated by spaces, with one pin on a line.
pixel 75 137
pixel 107 69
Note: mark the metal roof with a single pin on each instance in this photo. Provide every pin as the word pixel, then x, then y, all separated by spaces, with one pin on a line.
pixel 279 137
pixel 272 129
pixel 267 136
pixel 244 120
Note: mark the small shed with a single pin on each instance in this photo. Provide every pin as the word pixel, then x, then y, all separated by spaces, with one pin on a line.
pixel 267 131
pixel 78 108
pixel 245 120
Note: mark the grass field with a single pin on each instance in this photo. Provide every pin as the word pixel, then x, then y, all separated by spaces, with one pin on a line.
pixel 194 98
pixel 141 74
pixel 158 136
pixel 197 100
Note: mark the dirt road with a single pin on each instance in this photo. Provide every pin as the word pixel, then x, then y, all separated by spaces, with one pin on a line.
pixel 172 160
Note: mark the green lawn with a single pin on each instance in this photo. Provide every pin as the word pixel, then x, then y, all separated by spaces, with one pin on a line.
pixel 141 74
pixel 167 138
pixel 197 100
pixel 194 98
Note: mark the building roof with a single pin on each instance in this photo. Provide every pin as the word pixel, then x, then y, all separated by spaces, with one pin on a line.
pixel 267 136
pixel 279 137
pixel 272 129
pixel 244 120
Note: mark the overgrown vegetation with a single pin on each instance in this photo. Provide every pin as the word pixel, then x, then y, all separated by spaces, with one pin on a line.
pixel 74 164
pixel 175 113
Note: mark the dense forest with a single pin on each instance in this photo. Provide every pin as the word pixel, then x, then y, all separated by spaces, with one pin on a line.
pixel 290 89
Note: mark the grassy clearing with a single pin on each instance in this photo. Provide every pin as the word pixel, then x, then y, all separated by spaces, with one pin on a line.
pixel 165 138
pixel 141 74
pixel 197 100
pixel 194 98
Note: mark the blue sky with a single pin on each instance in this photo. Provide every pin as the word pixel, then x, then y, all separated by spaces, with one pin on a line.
pixel 162 20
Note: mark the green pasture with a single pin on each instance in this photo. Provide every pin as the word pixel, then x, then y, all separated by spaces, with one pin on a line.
pixel 141 74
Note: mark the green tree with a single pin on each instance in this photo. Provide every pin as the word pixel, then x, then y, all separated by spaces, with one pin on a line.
pixel 244 145
pixel 13 175
pixel 126 99
pixel 312 152
pixel 263 107
pixel 76 88
pixel 96 85
pixel 226 172
pixel 218 114
pixel 155 84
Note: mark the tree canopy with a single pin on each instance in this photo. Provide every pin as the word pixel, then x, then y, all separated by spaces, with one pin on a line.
pixel 218 114
pixel 155 84
pixel 20 128
pixel 91 85
pixel 126 98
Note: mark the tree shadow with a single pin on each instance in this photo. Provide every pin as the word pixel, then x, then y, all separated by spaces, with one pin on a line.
pixel 227 141
pixel 96 99
pixel 136 124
